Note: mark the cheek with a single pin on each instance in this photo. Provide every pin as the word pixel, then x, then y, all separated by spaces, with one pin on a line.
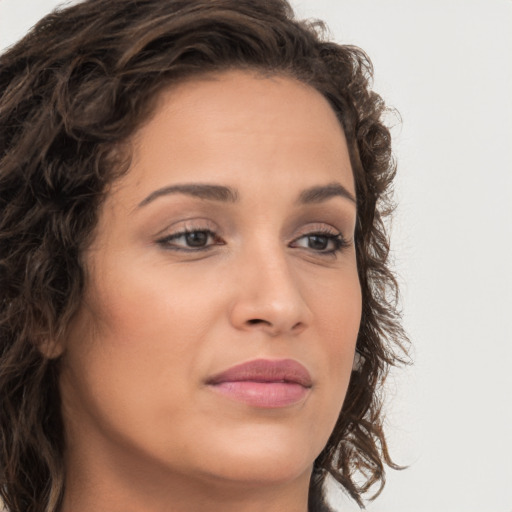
pixel 138 340
pixel 338 309
pixel 150 311
pixel 339 316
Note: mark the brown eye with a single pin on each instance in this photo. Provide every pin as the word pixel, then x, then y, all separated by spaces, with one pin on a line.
pixel 318 242
pixel 321 243
pixel 197 238
pixel 191 240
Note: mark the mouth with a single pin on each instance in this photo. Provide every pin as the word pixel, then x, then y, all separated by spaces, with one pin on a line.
pixel 264 383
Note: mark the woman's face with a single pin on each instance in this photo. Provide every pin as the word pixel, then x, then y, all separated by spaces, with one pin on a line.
pixel 229 241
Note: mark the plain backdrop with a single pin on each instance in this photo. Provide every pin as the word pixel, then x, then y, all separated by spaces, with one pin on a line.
pixel 446 66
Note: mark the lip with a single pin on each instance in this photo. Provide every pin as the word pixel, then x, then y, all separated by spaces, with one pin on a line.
pixel 264 383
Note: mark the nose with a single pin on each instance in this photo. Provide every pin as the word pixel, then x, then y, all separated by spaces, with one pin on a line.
pixel 269 297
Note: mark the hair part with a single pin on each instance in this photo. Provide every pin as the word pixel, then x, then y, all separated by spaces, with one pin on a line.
pixel 73 92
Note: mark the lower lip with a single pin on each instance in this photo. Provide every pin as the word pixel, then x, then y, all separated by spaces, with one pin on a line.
pixel 270 395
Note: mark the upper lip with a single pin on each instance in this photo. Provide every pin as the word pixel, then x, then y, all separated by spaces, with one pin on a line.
pixel 265 370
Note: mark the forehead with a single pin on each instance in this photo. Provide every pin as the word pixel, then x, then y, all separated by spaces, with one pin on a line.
pixel 231 125
pixel 237 97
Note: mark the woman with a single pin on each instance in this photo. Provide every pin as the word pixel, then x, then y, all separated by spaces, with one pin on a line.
pixel 196 307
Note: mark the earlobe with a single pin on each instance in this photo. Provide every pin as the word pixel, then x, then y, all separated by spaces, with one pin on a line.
pixel 50 348
pixel 359 361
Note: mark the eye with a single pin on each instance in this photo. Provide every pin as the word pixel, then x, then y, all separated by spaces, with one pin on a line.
pixel 191 240
pixel 321 242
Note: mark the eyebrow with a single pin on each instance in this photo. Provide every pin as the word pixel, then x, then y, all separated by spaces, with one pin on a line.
pixel 312 195
pixel 200 190
pixel 322 193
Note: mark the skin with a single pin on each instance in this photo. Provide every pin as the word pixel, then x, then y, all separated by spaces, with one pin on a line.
pixel 144 431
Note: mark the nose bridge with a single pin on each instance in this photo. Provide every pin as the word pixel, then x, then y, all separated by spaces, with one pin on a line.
pixel 269 292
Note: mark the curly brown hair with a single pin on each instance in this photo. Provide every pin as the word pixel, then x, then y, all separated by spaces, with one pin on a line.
pixel 72 92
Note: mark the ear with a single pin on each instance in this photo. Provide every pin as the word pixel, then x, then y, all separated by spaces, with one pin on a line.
pixel 359 361
pixel 50 348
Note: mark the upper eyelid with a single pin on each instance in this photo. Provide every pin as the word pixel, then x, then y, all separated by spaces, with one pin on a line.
pixel 323 228
pixel 329 230
pixel 187 226
pixel 319 227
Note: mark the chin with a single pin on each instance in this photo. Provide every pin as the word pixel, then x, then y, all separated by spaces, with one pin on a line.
pixel 262 471
pixel 261 456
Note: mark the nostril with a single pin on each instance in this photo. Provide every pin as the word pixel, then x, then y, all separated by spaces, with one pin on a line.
pixel 255 321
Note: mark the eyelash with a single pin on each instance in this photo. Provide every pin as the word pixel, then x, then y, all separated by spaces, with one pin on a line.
pixel 165 242
pixel 337 239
